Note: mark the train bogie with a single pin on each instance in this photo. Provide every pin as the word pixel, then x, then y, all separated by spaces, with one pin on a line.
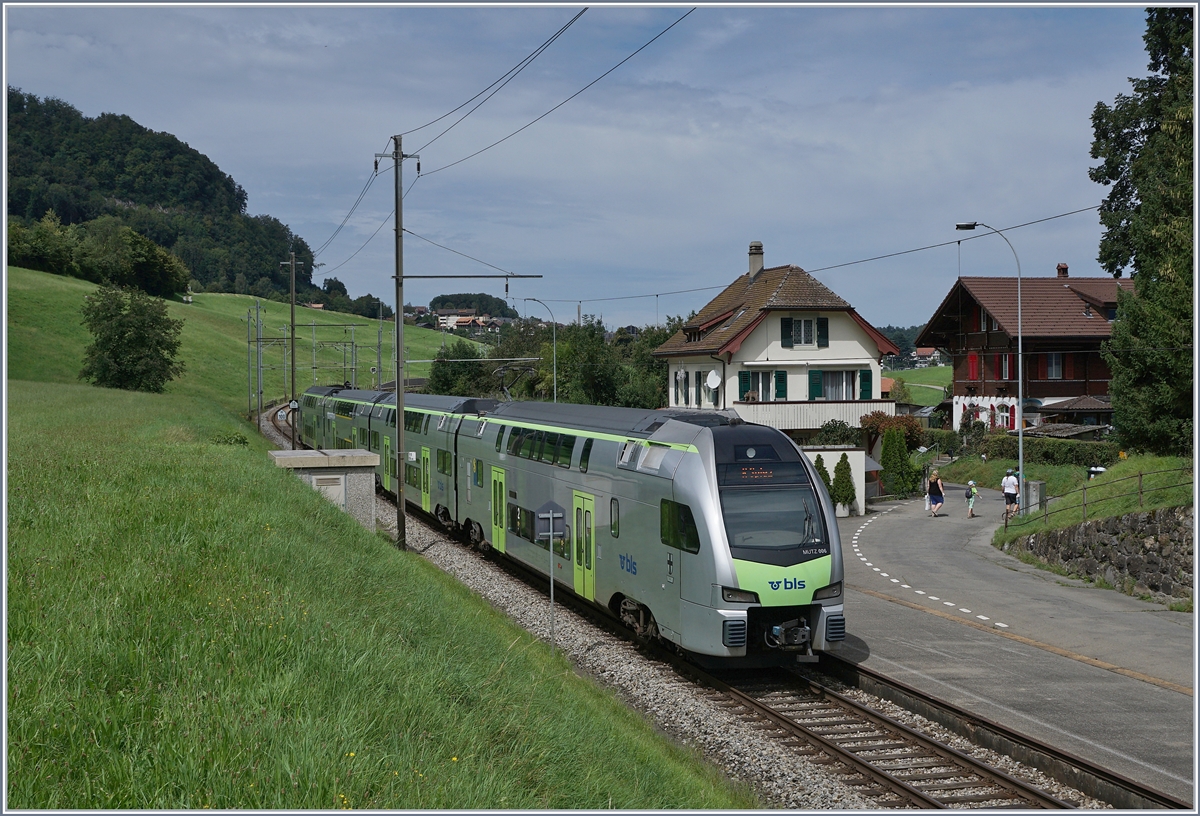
pixel 693 528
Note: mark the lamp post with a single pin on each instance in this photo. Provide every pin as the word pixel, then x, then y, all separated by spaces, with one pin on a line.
pixel 970 225
pixel 553 343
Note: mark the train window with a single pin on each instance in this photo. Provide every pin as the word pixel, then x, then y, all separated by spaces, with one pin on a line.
pixel 582 522
pixel 585 455
pixel 499 437
pixel 614 525
pixel 479 430
pixel 550 449
pixel 374 440
pixel 566 448
pixel 514 440
pixel 445 462
pixel 477 472
pixel 412 422
pixel 677 526
pixel 442 421
pixel 426 430
pixel 531 444
pixel 362 437
pixel 587 539
pixel 412 475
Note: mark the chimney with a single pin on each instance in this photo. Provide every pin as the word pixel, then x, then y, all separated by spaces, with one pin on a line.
pixel 756 259
pixel 1062 270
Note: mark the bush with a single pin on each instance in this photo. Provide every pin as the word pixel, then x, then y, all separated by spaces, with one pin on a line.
pixel 972 432
pixel 819 464
pixel 836 432
pixel 899 475
pixel 945 441
pixel 1040 450
pixel 877 423
pixel 843 491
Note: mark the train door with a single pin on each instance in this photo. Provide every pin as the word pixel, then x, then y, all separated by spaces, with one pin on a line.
pixel 388 462
pixel 584 507
pixel 425 479
pixel 497 505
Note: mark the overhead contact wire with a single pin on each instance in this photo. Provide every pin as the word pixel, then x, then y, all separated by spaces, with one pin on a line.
pixel 565 101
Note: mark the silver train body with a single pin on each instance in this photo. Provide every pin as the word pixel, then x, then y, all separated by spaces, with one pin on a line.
pixel 692 527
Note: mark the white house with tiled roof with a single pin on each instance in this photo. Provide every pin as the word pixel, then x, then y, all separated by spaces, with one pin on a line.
pixel 782 350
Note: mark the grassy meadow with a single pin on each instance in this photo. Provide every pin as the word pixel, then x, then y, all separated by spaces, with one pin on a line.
pixel 46 339
pixel 191 627
pixel 924 384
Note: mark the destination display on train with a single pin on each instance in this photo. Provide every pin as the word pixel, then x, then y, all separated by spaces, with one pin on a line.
pixel 749 473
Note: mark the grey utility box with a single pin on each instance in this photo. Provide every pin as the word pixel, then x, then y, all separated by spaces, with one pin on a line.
pixel 345 477
pixel 1035 496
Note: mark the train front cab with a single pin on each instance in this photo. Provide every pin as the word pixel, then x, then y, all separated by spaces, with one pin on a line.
pixel 771 592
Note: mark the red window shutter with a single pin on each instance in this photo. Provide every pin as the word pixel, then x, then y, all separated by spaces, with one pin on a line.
pixel 1068 366
pixel 972 366
pixel 1012 368
pixel 998 369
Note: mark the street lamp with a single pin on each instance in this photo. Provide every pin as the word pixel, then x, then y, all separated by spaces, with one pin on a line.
pixel 553 343
pixel 970 225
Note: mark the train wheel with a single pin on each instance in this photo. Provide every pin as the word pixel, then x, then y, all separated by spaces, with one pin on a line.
pixel 639 618
pixel 475 536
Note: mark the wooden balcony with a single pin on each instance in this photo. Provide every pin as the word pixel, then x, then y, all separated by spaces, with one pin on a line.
pixel 810 415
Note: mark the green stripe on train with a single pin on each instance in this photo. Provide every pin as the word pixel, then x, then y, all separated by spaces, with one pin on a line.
pixel 784 586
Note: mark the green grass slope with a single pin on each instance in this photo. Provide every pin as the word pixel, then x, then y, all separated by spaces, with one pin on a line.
pixel 46 340
pixel 191 627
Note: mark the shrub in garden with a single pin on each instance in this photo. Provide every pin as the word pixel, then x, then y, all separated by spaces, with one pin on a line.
pixel 899 475
pixel 819 464
pixel 843 491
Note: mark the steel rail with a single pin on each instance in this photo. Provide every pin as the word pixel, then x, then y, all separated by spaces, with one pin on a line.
pixel 1062 766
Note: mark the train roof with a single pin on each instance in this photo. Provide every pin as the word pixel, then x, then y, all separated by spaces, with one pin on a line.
pixel 434 402
pixel 629 421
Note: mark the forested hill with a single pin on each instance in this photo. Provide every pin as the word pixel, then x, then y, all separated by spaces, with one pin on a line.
pixel 83 168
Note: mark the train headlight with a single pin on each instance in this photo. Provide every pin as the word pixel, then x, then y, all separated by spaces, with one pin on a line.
pixel 831 591
pixel 739 595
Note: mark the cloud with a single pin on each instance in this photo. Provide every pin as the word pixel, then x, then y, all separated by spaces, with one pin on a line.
pixel 829 134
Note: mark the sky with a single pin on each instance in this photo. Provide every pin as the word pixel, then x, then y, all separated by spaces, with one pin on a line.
pixel 830 134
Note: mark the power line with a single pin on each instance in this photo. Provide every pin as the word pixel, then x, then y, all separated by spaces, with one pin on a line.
pixel 565 101
pixel 362 194
pixel 521 66
pixel 948 243
pixel 377 229
pixel 456 252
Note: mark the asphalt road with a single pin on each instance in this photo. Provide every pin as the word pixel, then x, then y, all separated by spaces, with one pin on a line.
pixel 1091 671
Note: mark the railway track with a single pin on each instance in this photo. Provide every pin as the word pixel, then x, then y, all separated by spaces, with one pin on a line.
pixel 894 764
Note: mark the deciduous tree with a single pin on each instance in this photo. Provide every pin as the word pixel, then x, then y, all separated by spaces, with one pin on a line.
pixel 1145 143
pixel 134 340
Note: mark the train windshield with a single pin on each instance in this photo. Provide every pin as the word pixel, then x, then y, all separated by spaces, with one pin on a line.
pixel 772 515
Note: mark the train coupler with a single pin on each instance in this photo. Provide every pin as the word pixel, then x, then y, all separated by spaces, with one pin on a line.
pixel 789 636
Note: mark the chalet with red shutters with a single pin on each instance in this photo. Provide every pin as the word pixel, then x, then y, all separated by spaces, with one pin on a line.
pixel 1063 322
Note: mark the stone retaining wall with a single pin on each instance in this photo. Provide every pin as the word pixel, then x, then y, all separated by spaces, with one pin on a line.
pixel 1147 553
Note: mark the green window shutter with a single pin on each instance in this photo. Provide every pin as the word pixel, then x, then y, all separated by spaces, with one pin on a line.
pixel 785 332
pixel 822 332
pixel 780 385
pixel 864 384
pixel 743 384
pixel 814 384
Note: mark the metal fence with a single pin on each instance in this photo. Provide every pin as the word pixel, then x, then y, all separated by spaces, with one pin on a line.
pixel 1140 492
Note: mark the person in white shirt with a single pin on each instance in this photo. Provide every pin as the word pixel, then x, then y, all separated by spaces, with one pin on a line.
pixel 1009 486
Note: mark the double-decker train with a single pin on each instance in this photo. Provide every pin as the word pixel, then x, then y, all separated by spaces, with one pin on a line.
pixel 692 527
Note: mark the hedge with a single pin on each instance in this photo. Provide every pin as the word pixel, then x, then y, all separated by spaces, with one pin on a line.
pixel 1046 451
